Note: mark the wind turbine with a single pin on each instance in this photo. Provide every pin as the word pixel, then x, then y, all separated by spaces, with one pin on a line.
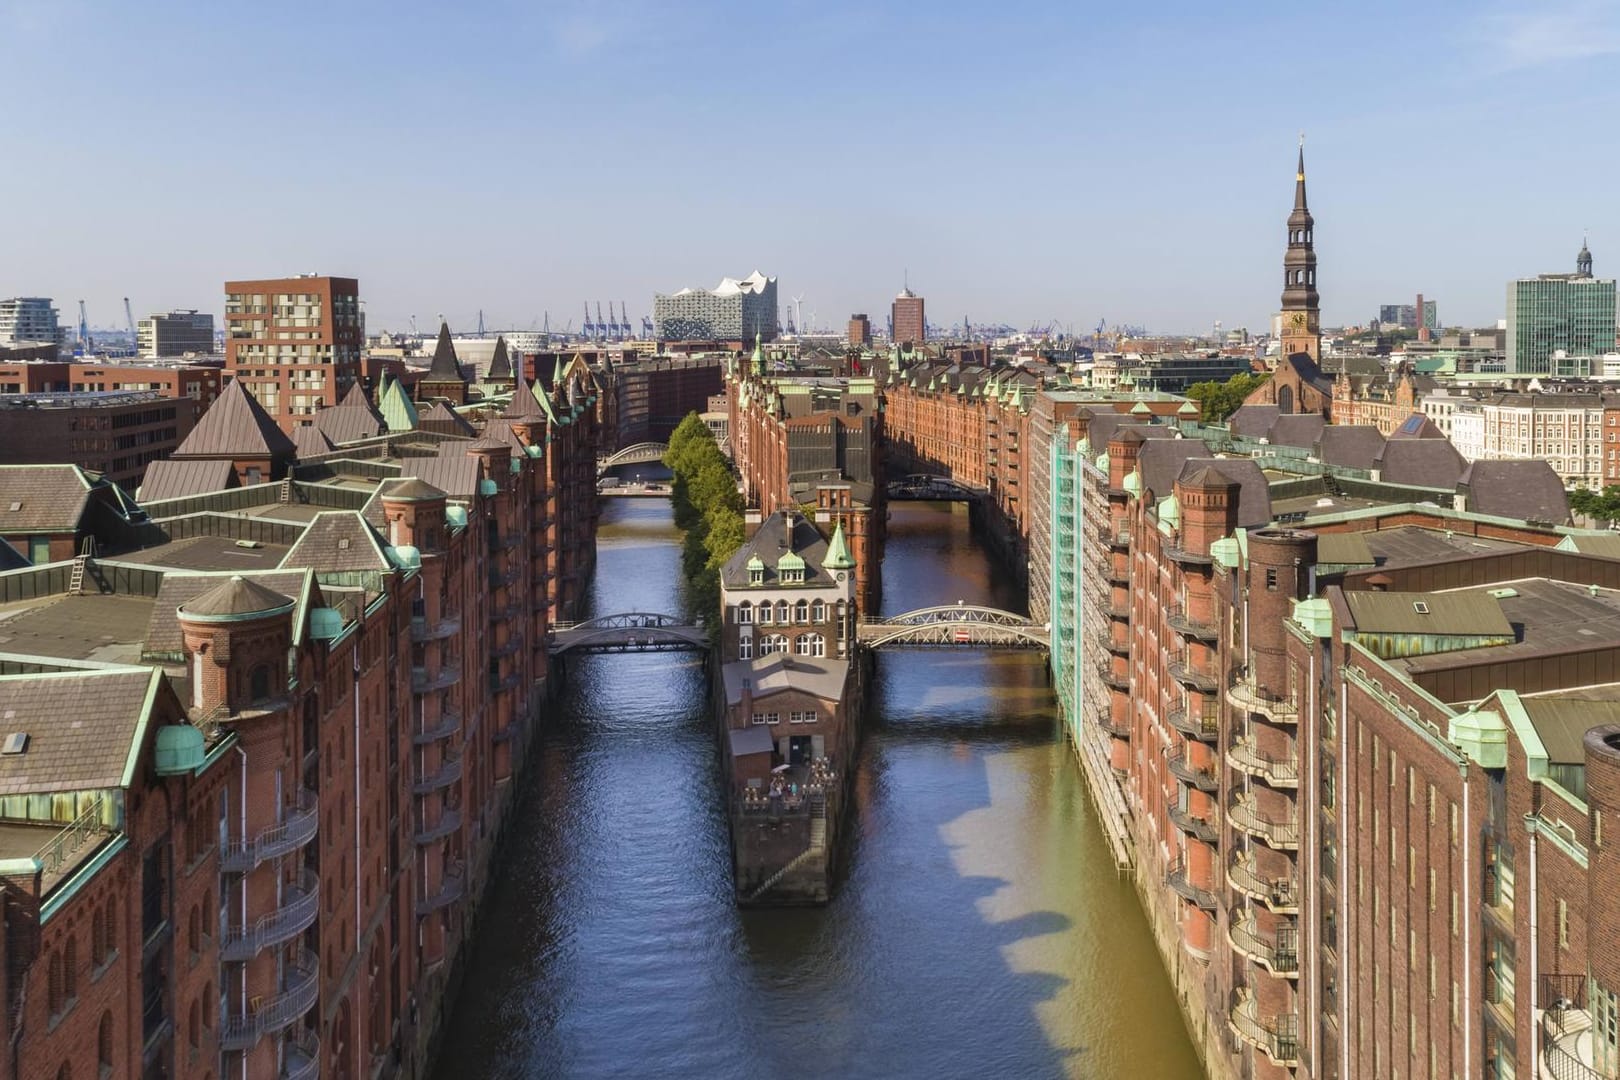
pixel 798 314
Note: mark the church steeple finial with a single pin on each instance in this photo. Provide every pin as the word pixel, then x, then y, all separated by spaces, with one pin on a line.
pixel 1299 177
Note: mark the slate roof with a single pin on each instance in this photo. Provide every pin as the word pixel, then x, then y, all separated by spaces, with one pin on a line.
pixel 1527 489
pixel 177 589
pixel 1254 492
pixel 338 541
pixel 43 498
pixel 1350 446
pixel 500 365
pixel 1472 614
pixel 1420 462
pixel 352 420
pixel 1297 429
pixel 182 479
pixel 236 426
pixel 82 728
pixel 773 537
pixel 1417 426
pixel 310 440
pixel 1160 460
pixel 1252 421
pixel 524 404
pixel 444 420
pixel 235 596
pixel 444 368
pixel 772 674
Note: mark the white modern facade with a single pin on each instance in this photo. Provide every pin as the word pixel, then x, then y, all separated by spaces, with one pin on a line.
pixel 734 310
pixel 29 319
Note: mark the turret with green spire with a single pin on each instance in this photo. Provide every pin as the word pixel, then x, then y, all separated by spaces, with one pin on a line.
pixel 759 357
pixel 838 551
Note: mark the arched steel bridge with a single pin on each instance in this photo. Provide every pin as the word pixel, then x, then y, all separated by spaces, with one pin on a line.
pixel 640 454
pixel 954 626
pixel 630 631
pixel 920 487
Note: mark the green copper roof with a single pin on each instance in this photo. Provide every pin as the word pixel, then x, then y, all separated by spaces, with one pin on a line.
pixel 1482 736
pixel 838 551
pixel 398 411
pixel 789 561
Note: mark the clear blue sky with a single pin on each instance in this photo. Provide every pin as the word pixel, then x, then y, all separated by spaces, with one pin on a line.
pixel 1024 160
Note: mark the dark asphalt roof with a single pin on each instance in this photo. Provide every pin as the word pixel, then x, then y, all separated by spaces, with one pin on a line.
pixel 1527 489
pixel 1420 462
pixel 1350 446
pixel 1253 421
pixel 1297 429
pixel 1562 724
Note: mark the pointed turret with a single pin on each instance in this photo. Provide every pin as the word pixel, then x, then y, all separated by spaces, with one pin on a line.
pixel 1301 325
pixel 1583 261
pixel 838 557
pixel 758 363
pixel 398 412
pixel 445 365
pixel 500 365
pixel 236 428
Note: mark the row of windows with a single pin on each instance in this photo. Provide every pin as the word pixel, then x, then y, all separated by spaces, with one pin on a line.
pixel 769 718
pixel 803 645
pixel 802 612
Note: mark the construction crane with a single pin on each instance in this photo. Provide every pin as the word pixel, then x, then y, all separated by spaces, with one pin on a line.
pixel 601 327
pixel 647 330
pixel 588 328
pixel 624 320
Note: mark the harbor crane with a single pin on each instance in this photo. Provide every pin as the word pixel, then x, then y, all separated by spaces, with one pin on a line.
pixel 647 330
pixel 588 328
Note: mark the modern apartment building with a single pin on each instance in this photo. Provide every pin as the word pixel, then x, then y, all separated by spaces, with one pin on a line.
pixel 735 311
pixel 116 433
pixel 294 342
pixel 908 322
pixel 29 319
pixel 1572 314
pixel 860 331
pixel 197 383
pixel 175 333
pixel 262 746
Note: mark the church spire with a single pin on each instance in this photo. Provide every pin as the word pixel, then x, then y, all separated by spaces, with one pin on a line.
pixel 1301 327
pixel 1299 178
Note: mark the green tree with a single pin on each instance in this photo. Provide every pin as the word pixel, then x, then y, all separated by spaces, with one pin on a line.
pixel 1219 400
pixel 1602 505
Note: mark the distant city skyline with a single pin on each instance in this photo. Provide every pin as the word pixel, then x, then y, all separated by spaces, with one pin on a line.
pixel 1077 165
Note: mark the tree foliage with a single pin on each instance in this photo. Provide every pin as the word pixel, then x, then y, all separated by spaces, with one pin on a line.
pixel 1218 400
pixel 708 507
pixel 1602 505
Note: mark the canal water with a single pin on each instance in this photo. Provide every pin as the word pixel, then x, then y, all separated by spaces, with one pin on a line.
pixel 980 930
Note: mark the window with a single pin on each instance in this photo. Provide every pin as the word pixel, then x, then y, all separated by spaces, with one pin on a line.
pixel 772 643
pixel 745 612
pixel 194 931
pixel 70 969
pixel 766 718
pixel 782 612
pixel 801 612
pixel 765 613
pixel 104 1044
pixel 818 612
pixel 1563 924
pixel 810 645
pixel 1271 578
pixel 745 648
pixel 259 683
pixel 53 985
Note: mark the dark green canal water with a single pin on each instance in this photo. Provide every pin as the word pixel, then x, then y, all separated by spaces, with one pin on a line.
pixel 980 930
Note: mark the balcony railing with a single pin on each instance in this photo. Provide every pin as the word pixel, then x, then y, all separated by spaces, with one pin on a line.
pixel 1182 623
pixel 448 772
pixel 1176 878
pixel 1121 612
pixel 1280 895
pixel 1118 648
pixel 449 821
pixel 446 626
pixel 499 684
pixel 296 829
pixel 300 904
pixel 1106 721
pixel 423 683
pixel 1111 678
pixel 1202 778
pixel 1280 834
pixel 300 989
pixel 448 723
pixel 1198 827
pixel 1187 675
pixel 1567 1042
pixel 302 1055
pixel 1278 954
pixel 1277 1036
pixel 1201 724
pixel 451 888
pixel 1247 695
pixel 1245 757
pixel 1185 555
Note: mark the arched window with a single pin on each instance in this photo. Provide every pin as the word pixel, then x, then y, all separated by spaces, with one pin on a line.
pixel 98 936
pixel 194 1026
pixel 801 612
pixel 112 928
pixel 782 612
pixel 194 931
pixel 765 612
pixel 70 968
pixel 53 984
pixel 104 1043
pixel 818 612
pixel 772 643
pixel 810 645
pixel 259 683
pixel 745 612
pixel 208 1007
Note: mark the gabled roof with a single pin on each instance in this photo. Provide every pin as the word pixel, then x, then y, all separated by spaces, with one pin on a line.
pixel 351 420
pixel 43 498
pixel 1254 493
pixel 1528 489
pixel 338 541
pixel 524 405
pixel 310 440
pixel 1160 461
pixel 1350 446
pixel 182 479
pixel 767 675
pixel 1417 462
pixel 782 532
pixel 1472 614
pixel 82 726
pixel 398 411
pixel 1252 421
pixel 444 368
pixel 445 420
pixel 500 365
pixel 236 426
pixel 1297 429
pixel 1417 426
